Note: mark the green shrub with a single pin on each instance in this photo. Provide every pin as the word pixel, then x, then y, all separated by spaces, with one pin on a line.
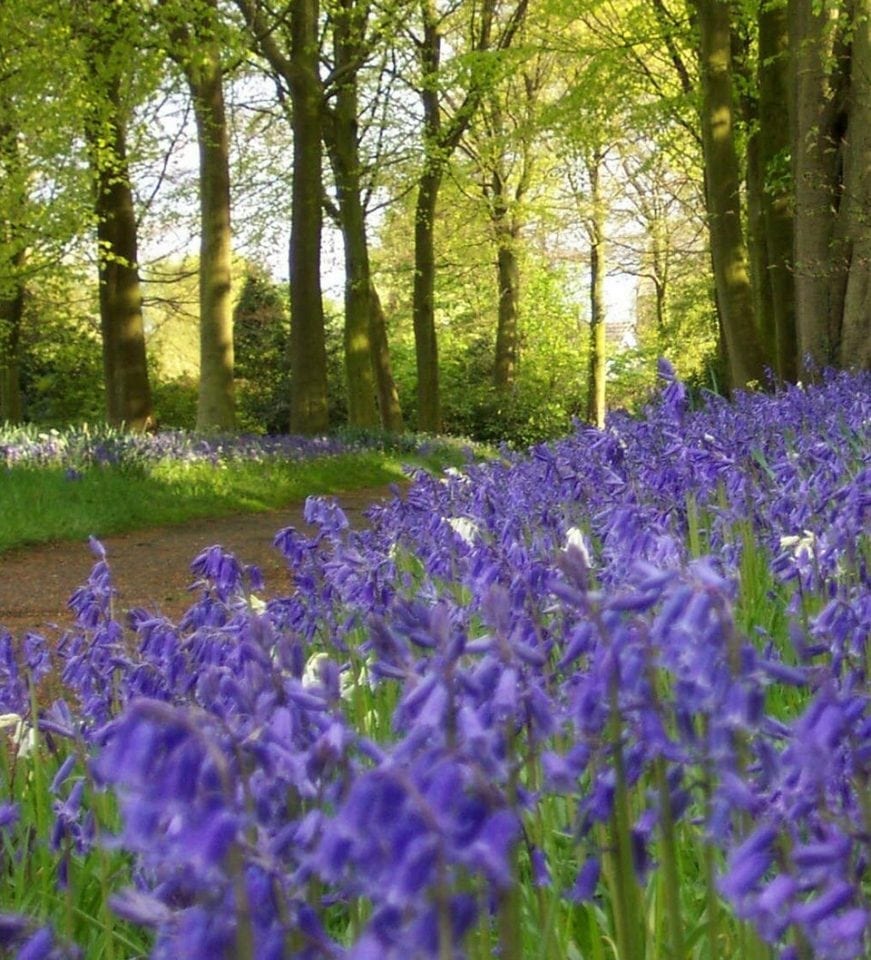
pixel 61 369
pixel 175 402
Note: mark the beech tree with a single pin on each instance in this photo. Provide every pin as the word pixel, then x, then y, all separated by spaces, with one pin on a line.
pixel 729 255
pixel 295 64
pixel 103 32
pixel 804 304
pixel 831 153
pixel 195 45
pixel 500 145
pixel 13 253
pixel 355 39
pixel 778 235
pixel 762 109
pixel 493 31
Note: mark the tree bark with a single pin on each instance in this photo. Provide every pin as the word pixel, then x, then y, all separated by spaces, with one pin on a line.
pixel 757 245
pixel 819 80
pixel 128 392
pixel 747 97
pixel 11 314
pixel 12 286
pixel 746 357
pixel 308 361
pixel 856 328
pixel 660 256
pixel 388 396
pixel 507 327
pixel 435 157
pixel 343 147
pixel 216 409
pixel 197 51
pixel 777 220
pixel 423 309
pixel 308 355
pixel 598 344
pixel 506 220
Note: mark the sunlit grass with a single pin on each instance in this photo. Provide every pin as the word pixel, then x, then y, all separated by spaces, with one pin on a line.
pixel 41 504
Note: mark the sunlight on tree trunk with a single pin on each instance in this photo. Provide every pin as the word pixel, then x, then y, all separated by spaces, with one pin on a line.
pixel 388 396
pixel 128 391
pixel 216 402
pixel 508 279
pixel 773 80
pixel 856 330
pixel 598 344
pixel 308 359
pixel 11 312
pixel 12 286
pixel 819 76
pixel 425 343
pixel 341 136
pixel 728 249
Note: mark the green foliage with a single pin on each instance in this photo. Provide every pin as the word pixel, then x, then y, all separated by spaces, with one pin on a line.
pixel 337 383
pixel 261 342
pixel 61 360
pixel 171 311
pixel 687 337
pixel 551 378
pixel 175 402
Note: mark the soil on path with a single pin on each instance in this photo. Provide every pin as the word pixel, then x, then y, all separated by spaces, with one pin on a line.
pixel 151 568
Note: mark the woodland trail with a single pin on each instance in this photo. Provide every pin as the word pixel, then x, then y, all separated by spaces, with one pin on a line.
pixel 151 567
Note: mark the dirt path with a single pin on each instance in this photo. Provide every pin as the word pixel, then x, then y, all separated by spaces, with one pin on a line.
pixel 151 568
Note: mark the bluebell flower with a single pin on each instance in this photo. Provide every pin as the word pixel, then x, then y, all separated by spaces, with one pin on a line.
pixel 749 862
pixel 586 881
pixel 9 815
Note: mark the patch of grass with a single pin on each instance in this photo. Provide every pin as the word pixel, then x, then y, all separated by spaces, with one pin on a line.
pixel 41 504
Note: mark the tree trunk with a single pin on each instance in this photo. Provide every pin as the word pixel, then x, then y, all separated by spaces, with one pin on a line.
pixel 344 151
pixel 660 255
pixel 747 96
pixel 728 248
pixel 505 206
pixel 423 311
pixel 773 137
pixel 12 287
pixel 856 210
pixel 11 313
pixel 388 395
pixel 128 392
pixel 819 80
pixel 359 372
pixel 507 336
pixel 423 305
pixel 216 401
pixel 440 140
pixel 308 362
pixel 506 230
pixel 598 346
pixel 757 246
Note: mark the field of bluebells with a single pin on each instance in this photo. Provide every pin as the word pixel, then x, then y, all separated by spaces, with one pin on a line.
pixel 80 448
pixel 606 700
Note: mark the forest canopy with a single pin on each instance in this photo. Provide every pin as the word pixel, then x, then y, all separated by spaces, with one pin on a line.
pixel 486 217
